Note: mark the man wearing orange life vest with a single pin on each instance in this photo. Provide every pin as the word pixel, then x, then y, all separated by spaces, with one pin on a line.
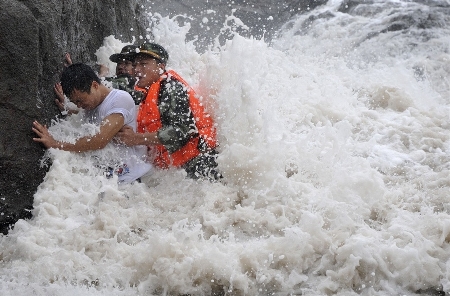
pixel 171 120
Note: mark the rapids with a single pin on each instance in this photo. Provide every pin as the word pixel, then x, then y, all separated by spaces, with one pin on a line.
pixel 335 150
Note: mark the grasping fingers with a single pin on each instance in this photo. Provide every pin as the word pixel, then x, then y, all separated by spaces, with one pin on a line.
pixel 59 96
pixel 39 129
pixel 125 135
pixel 44 136
pixel 67 60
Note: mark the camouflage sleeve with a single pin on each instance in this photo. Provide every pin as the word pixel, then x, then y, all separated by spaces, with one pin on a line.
pixel 178 124
pixel 126 84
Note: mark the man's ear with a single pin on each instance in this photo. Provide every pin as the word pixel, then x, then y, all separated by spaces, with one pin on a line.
pixel 95 84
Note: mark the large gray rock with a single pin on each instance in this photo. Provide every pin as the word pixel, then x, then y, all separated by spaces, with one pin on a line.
pixel 35 34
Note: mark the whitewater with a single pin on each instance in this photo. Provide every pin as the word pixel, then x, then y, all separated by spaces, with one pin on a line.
pixel 335 150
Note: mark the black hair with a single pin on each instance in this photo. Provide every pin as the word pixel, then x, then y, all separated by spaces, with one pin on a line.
pixel 78 76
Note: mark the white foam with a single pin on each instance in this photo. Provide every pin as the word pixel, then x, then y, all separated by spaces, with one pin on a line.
pixel 336 165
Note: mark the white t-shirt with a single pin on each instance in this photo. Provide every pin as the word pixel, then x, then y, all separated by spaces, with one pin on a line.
pixel 126 162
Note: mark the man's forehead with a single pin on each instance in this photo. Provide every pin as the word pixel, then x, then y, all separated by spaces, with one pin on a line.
pixel 76 93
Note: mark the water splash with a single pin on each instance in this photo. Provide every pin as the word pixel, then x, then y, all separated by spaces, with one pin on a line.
pixel 334 145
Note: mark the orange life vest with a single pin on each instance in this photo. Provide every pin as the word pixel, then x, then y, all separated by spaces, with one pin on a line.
pixel 149 120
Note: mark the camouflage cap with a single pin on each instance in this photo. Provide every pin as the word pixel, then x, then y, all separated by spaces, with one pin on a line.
pixel 154 50
pixel 124 54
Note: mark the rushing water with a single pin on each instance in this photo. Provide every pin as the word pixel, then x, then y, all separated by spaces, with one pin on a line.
pixel 335 148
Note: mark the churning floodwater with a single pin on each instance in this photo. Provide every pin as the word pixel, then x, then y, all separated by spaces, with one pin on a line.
pixel 335 150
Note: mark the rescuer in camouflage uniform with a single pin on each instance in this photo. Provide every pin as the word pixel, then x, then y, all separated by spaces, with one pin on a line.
pixel 124 79
pixel 171 120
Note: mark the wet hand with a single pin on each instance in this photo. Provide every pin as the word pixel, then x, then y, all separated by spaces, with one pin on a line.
pixel 44 136
pixel 67 60
pixel 59 96
pixel 126 136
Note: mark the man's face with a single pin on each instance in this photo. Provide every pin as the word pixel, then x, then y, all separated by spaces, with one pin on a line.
pixel 87 101
pixel 124 67
pixel 147 70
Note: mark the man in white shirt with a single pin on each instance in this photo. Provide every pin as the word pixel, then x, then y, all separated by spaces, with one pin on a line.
pixel 110 109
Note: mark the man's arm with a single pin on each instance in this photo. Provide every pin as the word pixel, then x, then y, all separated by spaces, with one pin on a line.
pixel 127 136
pixel 108 129
pixel 178 124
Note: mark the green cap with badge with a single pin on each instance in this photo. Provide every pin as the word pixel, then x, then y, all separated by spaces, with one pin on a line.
pixel 154 50
pixel 124 54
